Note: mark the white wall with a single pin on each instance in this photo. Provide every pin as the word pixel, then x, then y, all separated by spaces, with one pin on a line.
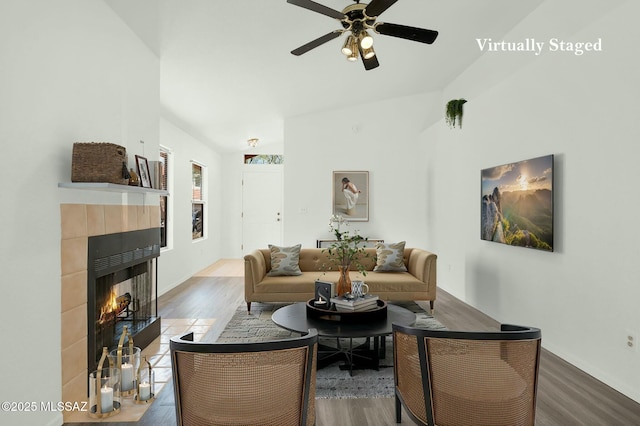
pixel 381 138
pixel 71 71
pixel 583 109
pixel 187 256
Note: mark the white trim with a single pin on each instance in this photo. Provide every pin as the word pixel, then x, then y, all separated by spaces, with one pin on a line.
pixel 170 200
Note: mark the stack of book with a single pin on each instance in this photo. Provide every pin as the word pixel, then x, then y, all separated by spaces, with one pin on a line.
pixel 364 303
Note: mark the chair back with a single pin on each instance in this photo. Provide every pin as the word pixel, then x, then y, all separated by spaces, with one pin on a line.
pixel 257 383
pixel 467 378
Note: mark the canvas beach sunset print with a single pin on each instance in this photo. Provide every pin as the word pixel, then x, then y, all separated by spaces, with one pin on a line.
pixel 517 203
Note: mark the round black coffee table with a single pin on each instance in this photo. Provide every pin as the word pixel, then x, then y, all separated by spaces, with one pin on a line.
pixel 294 318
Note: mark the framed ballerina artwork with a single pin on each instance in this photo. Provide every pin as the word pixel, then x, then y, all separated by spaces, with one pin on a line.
pixel 351 195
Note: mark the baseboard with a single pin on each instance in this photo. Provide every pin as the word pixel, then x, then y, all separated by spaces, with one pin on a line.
pixel 596 373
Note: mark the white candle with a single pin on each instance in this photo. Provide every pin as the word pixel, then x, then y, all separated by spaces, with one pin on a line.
pixel 106 399
pixel 144 391
pixel 127 376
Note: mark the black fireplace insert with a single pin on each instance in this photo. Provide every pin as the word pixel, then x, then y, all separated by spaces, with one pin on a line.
pixel 122 290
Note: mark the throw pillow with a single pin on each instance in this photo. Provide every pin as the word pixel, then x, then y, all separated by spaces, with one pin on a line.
pixel 284 260
pixel 389 257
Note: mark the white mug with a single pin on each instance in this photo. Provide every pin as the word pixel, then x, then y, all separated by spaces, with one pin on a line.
pixel 359 288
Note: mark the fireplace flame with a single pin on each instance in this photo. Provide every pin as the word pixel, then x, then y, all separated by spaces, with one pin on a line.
pixel 113 306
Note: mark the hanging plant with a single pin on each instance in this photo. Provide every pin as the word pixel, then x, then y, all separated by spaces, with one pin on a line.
pixel 454 112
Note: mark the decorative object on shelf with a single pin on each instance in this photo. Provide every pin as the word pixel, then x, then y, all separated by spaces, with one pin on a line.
pixel 143 171
pixel 134 180
pixel 454 112
pixel 344 253
pixel 351 195
pixel 104 389
pixel 125 172
pixel 99 162
pixel 155 168
pixel 127 359
pixel 145 380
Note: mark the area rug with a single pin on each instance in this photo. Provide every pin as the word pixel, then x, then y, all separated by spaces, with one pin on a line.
pixel 331 382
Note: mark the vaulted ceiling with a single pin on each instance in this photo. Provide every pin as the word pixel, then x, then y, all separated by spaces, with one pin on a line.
pixel 227 73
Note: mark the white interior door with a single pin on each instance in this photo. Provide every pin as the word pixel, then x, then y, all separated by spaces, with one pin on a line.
pixel 261 207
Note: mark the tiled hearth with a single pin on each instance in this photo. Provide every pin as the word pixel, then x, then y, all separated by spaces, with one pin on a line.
pixel 78 223
pixel 159 356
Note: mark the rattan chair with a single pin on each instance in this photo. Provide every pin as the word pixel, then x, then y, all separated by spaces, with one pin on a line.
pixel 448 378
pixel 258 383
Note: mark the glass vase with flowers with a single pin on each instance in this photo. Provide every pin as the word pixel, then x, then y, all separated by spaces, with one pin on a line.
pixel 345 252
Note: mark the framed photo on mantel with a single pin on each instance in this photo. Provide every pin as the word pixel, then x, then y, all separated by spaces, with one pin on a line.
pixel 143 171
pixel 351 195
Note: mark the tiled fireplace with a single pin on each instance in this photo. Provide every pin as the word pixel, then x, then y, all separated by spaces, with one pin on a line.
pixel 78 223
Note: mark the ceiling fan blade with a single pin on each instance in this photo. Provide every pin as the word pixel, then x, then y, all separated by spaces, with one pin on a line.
pixel 317 42
pixel 319 8
pixel 376 7
pixel 410 33
pixel 370 63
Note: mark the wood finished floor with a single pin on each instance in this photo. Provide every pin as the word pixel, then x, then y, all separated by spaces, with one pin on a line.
pixel 566 395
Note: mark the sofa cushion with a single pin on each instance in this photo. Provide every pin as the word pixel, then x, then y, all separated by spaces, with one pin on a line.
pixel 390 257
pixel 379 283
pixel 284 260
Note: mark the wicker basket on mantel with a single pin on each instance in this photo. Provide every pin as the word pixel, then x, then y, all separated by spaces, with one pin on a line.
pixel 99 162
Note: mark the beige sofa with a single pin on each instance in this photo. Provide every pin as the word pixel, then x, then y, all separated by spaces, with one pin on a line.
pixel 418 283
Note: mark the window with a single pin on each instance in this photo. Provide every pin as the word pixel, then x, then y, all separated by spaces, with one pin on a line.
pixel 163 164
pixel 263 159
pixel 197 201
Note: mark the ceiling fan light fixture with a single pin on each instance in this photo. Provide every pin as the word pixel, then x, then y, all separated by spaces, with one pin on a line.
pixel 354 50
pixel 368 53
pixel 347 48
pixel 356 21
pixel 366 41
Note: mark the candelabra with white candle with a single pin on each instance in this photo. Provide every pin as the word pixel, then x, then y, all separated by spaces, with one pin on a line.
pixel 104 389
pixel 127 359
pixel 146 382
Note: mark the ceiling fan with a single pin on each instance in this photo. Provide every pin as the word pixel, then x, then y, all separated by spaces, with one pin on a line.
pixel 356 19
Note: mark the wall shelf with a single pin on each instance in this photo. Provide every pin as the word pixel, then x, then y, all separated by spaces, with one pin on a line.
pixel 110 187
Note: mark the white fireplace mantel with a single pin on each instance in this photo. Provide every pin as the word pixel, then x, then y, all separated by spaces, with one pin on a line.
pixel 111 187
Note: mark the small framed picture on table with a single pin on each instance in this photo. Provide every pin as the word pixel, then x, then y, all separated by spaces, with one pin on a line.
pixel 324 290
